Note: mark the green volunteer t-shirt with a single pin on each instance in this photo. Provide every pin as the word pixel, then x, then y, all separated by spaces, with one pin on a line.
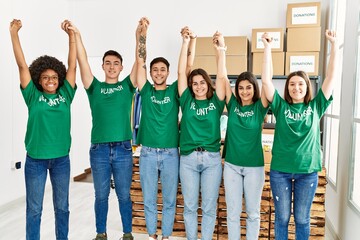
pixel 48 127
pixel 297 147
pixel 200 123
pixel 243 146
pixel 159 117
pixel 110 109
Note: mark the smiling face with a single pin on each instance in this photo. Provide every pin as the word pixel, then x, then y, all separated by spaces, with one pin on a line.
pixel 199 87
pixel 112 67
pixel 297 89
pixel 246 92
pixel 49 81
pixel 159 74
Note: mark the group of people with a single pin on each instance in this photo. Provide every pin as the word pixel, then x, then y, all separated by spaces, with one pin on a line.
pixel 188 151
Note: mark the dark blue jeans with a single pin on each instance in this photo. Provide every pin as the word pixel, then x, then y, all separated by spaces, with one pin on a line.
pixel 35 179
pixel 116 159
pixel 300 187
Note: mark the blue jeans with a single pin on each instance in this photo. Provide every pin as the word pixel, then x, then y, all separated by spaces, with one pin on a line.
pixel 302 188
pixel 163 162
pixel 35 179
pixel 116 159
pixel 200 171
pixel 250 182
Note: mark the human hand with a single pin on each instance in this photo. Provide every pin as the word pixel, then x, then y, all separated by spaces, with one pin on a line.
pixel 68 27
pixel 218 40
pixel 330 35
pixel 15 26
pixel 266 39
pixel 142 27
pixel 185 34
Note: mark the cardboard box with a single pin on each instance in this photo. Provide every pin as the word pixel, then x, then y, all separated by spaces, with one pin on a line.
pixel 204 46
pixel 303 39
pixel 276 33
pixel 234 64
pixel 237 45
pixel 278 59
pixel 303 15
pixel 267 139
pixel 305 61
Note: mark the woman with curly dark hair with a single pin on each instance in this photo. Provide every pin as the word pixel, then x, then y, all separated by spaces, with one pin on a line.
pixel 48 90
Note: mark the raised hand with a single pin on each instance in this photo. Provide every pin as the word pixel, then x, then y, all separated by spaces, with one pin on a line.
pixel 218 40
pixel 330 35
pixel 142 27
pixel 266 39
pixel 185 34
pixel 68 27
pixel 15 25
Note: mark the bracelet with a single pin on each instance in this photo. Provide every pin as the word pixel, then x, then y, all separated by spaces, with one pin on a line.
pixel 222 48
pixel 193 37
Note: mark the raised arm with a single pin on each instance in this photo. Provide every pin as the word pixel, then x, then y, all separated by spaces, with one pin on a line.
pixel 85 71
pixel 328 84
pixel 140 46
pixel 71 72
pixel 24 72
pixel 140 53
pixel 221 76
pixel 191 52
pixel 182 76
pixel 267 70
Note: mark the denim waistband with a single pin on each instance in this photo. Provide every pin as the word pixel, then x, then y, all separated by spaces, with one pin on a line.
pixel 112 143
pixel 151 149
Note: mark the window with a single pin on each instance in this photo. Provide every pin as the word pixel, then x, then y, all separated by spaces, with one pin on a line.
pixel 355 174
pixel 332 116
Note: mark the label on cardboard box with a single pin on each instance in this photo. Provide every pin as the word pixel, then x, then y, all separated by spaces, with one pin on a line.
pixel 304 15
pixel 275 44
pixel 267 141
pixel 304 63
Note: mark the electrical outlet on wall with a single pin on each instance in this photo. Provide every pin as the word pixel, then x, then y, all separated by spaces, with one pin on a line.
pixel 18 165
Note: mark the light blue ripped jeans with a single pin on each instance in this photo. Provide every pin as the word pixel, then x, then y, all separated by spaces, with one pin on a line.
pixel 200 172
pixel 247 181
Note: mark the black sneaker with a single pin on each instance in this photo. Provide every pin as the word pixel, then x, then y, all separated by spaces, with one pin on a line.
pixel 127 236
pixel 100 236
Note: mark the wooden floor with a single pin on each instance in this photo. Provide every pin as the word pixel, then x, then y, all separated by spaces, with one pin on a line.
pixel 82 223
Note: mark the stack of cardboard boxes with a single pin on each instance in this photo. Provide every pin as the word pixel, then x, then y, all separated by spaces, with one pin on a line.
pixel 236 55
pixel 257 49
pixel 303 37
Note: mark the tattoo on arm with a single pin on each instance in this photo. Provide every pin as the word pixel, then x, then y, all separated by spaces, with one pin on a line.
pixel 142 47
pixel 189 53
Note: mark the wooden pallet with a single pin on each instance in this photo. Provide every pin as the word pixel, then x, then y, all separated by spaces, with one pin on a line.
pixel 267 215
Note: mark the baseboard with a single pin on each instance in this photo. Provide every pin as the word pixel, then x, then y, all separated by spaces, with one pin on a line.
pixel 330 231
